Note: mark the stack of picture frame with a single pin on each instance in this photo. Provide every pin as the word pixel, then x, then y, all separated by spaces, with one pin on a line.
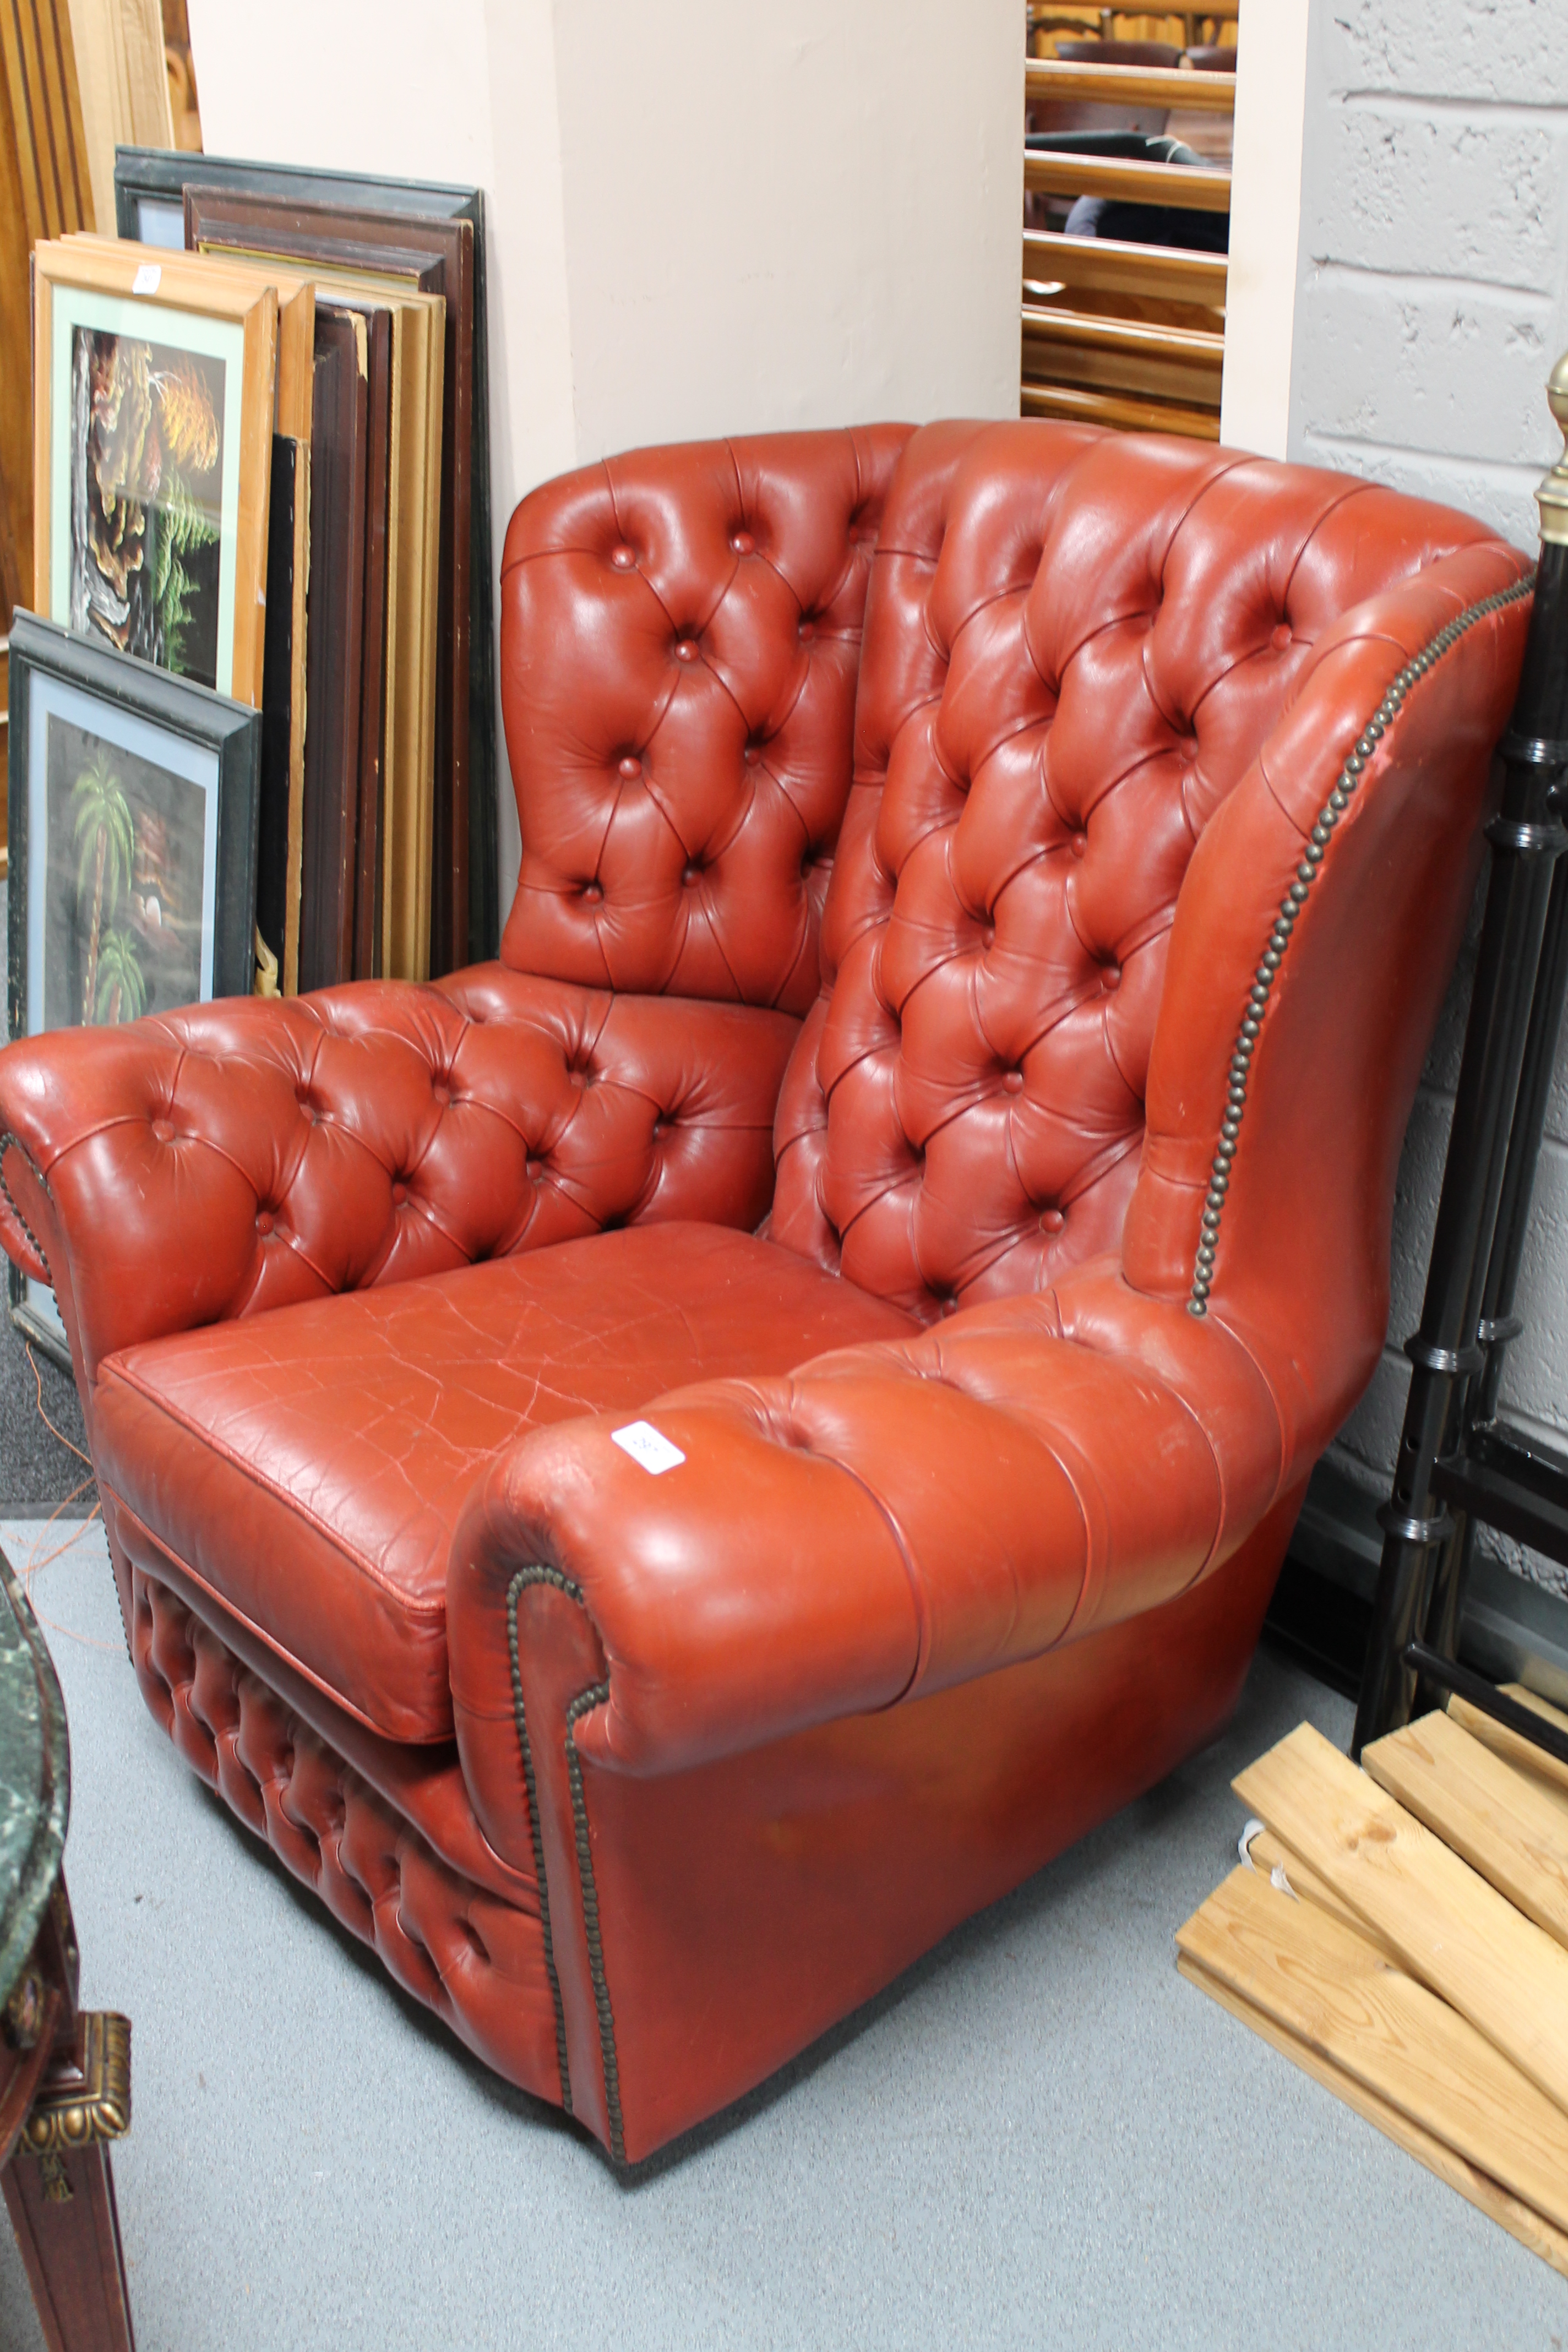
pixel 252 741
pixel 421 236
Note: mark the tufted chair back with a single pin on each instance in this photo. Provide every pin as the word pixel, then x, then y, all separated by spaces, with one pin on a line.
pixel 1076 646
pixel 680 644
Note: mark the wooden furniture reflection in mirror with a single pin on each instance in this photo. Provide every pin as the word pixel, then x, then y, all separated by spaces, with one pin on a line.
pixel 1118 327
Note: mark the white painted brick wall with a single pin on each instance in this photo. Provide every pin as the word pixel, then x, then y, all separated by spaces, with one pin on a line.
pixel 1432 298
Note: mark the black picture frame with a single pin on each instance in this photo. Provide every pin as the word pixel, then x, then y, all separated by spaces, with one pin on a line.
pixel 150 185
pixel 212 778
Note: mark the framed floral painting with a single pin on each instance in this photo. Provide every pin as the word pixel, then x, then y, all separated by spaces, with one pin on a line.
pixel 132 804
pixel 153 389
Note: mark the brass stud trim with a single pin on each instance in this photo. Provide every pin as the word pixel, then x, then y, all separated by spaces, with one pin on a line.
pixel 586 1701
pixel 1299 890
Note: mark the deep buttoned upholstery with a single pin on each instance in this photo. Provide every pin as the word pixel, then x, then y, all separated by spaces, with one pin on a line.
pixel 985 895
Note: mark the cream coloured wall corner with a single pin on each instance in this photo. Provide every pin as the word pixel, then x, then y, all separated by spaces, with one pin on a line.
pixel 703 216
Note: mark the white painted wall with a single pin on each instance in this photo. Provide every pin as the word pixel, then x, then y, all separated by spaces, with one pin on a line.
pixel 1433 282
pixel 798 213
pixel 1431 299
pixel 704 216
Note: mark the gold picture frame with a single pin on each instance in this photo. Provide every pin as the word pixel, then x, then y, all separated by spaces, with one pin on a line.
pixel 153 386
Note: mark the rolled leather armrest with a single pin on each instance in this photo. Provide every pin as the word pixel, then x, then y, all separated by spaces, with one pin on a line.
pixel 887 1520
pixel 252 1152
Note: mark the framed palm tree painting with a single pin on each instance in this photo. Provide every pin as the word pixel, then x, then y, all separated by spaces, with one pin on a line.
pixel 133 804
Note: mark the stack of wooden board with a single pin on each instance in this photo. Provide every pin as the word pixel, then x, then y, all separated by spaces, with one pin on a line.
pixel 1401 1932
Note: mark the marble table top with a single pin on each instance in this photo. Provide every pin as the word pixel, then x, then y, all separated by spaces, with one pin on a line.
pixel 34 1778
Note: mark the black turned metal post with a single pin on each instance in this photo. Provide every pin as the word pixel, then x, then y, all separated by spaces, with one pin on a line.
pixel 1447 1353
pixel 1498 1323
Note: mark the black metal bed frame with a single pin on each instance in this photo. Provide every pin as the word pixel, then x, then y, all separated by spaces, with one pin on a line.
pixel 1461 1463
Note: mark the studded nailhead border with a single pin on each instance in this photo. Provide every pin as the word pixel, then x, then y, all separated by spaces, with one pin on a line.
pixel 9 1142
pixel 1290 905
pixel 586 1701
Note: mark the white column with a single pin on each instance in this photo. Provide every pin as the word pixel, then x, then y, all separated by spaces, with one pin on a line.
pixel 1265 226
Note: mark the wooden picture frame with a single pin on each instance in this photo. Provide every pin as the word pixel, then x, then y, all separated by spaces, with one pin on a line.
pixel 406 326
pixel 159 379
pixel 437 255
pixel 132 797
pixel 335 642
pixel 148 195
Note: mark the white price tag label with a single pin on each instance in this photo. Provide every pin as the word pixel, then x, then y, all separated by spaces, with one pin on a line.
pixel 646 1445
pixel 148 279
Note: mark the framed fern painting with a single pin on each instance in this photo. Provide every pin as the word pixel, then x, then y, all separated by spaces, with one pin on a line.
pixel 133 798
pixel 154 407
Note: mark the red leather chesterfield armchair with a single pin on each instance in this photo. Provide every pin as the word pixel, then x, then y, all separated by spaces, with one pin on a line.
pixel 988 1237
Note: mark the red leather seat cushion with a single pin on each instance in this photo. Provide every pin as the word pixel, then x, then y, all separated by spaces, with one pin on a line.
pixel 306 1465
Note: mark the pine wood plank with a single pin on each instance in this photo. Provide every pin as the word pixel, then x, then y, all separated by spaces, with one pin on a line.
pixel 1531 2228
pixel 19 56
pixel 1321 1981
pixel 1459 1935
pixel 1512 1827
pixel 1508 1744
pixel 1270 1853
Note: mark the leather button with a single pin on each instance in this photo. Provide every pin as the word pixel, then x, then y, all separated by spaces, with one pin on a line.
pixel 264 1221
pixel 685 650
pixel 1281 637
pixel 443 1094
pixel 631 765
pixel 743 542
pixel 399 1195
pixel 622 559
pixel 807 629
pixel 988 935
pixel 1110 977
pixel 533 1169
pixel 593 893
pixel 750 755
pixel 1051 1221
pixel 162 1130
pixel 690 876
pixel 1013 1082
pixel 1080 844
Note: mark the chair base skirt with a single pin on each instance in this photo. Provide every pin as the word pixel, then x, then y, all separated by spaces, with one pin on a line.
pixel 472 1953
pixel 738 1910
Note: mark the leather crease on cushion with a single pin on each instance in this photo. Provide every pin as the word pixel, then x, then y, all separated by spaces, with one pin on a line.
pixel 1075 645
pixel 306 1466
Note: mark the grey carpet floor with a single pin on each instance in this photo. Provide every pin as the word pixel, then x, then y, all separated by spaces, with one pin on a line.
pixel 37 1472
pixel 1041 2136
